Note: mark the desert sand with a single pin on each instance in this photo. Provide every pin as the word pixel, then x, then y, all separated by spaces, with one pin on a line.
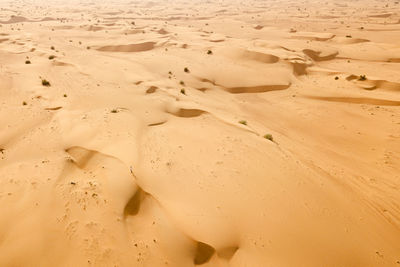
pixel 187 132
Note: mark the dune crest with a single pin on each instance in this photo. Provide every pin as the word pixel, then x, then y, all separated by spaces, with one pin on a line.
pixel 199 133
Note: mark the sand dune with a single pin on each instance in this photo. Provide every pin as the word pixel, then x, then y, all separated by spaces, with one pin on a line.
pixel 200 133
pixel 254 55
pixel 18 19
pixel 128 48
pixel 358 100
pixel 371 84
pixel 319 55
pixel 14 19
pixel 256 89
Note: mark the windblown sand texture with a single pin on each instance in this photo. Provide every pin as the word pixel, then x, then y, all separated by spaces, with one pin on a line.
pixel 128 159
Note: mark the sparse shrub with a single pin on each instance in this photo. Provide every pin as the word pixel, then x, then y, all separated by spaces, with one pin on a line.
pixel 183 91
pixel 186 70
pixel 362 78
pixel 52 48
pixel 52 57
pixel 27 62
pixel 243 122
pixel 65 95
pixel 269 137
pixel 182 83
pixel 88 47
pixel 24 103
pixel 336 78
pixel 114 111
pixel 209 52
pixel 45 83
pixel 348 36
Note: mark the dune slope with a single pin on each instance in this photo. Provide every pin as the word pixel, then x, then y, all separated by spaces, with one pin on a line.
pixel 193 133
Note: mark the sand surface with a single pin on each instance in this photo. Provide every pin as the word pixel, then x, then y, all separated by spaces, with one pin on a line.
pixel 188 132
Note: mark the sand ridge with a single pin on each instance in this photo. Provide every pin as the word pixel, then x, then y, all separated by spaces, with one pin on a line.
pixel 199 133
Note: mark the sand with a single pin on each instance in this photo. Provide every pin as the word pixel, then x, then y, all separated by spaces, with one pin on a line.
pixel 212 133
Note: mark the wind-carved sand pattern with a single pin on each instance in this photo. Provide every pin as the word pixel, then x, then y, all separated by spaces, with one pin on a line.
pixel 199 133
